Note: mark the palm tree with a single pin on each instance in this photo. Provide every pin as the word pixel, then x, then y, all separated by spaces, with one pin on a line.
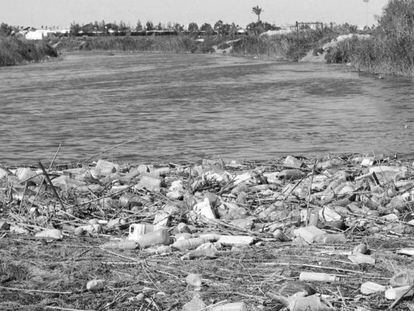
pixel 257 10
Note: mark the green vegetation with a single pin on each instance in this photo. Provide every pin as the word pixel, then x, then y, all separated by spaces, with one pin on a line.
pixel 163 44
pixel 15 51
pixel 391 48
pixel 257 10
pixel 292 46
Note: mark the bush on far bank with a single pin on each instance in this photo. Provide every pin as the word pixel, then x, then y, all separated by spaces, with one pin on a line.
pixel 15 51
pixel 390 50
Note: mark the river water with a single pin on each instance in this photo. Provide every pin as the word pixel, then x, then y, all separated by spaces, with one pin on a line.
pixel 156 108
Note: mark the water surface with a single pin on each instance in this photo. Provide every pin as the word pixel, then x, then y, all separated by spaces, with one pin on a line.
pixel 186 107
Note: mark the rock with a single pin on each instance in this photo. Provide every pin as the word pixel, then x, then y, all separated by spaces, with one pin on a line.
pixel 390 217
pixel 104 168
pixel 95 285
pixel 242 178
pixel 291 174
pixel 367 162
pixel 91 229
pixel 403 278
pixel 204 209
pixel 24 173
pixel 4 225
pixel 328 214
pixel 327 238
pixel 149 183
pixel 386 174
pixel 212 198
pixel 207 250
pixel 114 223
pixel 359 258
pixel 162 220
pixel 18 230
pixel 298 302
pixel 309 234
pixel 279 235
pixel 361 248
pixel 174 195
pixel 272 177
pixel 397 203
pixel 369 288
pixel 3 173
pixel 232 211
pixel 182 228
pixel 344 189
pixel 194 280
pixel 196 304
pixel 329 164
pixel 246 223
pixel 159 172
pixel 241 198
pixel 292 162
pixel 129 200
pixel 66 183
pixel 292 287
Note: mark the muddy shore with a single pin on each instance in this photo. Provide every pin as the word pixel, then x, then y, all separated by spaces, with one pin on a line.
pixel 333 232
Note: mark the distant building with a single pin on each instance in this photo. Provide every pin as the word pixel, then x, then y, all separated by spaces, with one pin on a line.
pixel 37 34
pixel 282 31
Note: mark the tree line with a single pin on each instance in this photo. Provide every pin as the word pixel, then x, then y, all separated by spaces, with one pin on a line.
pixel 220 28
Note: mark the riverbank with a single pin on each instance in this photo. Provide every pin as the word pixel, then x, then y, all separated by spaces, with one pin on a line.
pixel 162 44
pixel 15 51
pixel 262 235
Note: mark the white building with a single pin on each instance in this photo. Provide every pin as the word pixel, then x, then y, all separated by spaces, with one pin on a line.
pixel 37 34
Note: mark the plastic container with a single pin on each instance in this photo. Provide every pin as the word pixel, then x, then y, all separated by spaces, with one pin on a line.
pixel 137 230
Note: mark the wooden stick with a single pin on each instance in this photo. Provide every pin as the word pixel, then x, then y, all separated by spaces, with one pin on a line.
pixel 43 179
pixel 51 185
pixel 309 194
pixel 35 290
pixel 65 309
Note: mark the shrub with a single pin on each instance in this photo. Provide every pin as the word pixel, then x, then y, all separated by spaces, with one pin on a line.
pixel 18 50
pixel 390 50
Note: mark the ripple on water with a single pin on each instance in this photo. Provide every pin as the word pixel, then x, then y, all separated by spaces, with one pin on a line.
pixel 182 107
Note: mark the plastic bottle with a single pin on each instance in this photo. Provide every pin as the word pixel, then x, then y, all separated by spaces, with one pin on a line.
pixel 235 306
pixel 123 244
pixel 183 245
pixel 161 236
pixel 317 277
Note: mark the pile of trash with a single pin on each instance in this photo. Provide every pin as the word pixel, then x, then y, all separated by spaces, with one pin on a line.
pixel 296 233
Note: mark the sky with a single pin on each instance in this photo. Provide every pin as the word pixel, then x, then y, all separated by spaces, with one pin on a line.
pixel 280 12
